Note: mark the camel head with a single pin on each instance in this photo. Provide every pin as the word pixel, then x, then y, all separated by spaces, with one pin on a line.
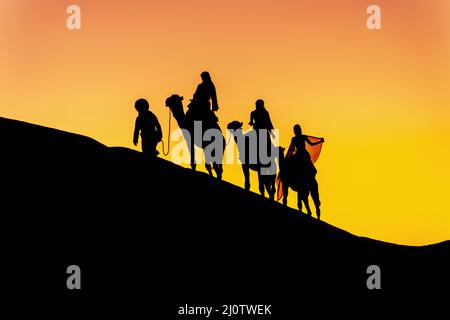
pixel 175 104
pixel 174 101
pixel 235 125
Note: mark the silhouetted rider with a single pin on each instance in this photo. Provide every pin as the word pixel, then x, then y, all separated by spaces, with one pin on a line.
pixel 206 92
pixel 260 120
pixel 204 98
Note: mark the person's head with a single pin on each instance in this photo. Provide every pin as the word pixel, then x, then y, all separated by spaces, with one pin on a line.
pixel 259 104
pixel 205 76
pixel 141 105
pixel 297 130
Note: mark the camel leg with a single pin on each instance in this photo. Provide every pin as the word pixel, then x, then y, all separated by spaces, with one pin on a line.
pixel 246 170
pixel 302 197
pixel 209 169
pixel 272 188
pixel 315 195
pixel 299 201
pixel 261 183
pixel 192 151
pixel 220 165
pixel 218 169
pixel 306 202
pixel 285 193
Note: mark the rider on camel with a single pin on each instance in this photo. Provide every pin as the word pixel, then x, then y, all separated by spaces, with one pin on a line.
pixel 297 152
pixel 205 99
pixel 260 120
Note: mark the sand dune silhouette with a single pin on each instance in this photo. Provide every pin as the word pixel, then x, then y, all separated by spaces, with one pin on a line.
pixel 139 228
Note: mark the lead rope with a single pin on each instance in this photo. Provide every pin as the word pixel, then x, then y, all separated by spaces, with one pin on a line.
pixel 168 136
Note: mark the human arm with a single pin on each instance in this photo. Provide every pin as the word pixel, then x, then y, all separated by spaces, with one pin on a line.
pixel 159 134
pixel 213 93
pixel 197 92
pixel 291 149
pixel 270 125
pixel 252 118
pixel 136 132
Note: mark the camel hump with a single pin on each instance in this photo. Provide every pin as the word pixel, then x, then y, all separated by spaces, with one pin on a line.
pixel 201 111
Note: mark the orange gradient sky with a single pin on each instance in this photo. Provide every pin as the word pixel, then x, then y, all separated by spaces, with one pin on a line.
pixel 380 98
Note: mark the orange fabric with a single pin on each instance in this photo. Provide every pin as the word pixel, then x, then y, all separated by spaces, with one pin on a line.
pixel 314 152
pixel 279 189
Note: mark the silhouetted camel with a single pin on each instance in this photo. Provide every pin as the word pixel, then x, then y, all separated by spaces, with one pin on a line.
pixel 175 104
pixel 289 179
pixel 266 182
